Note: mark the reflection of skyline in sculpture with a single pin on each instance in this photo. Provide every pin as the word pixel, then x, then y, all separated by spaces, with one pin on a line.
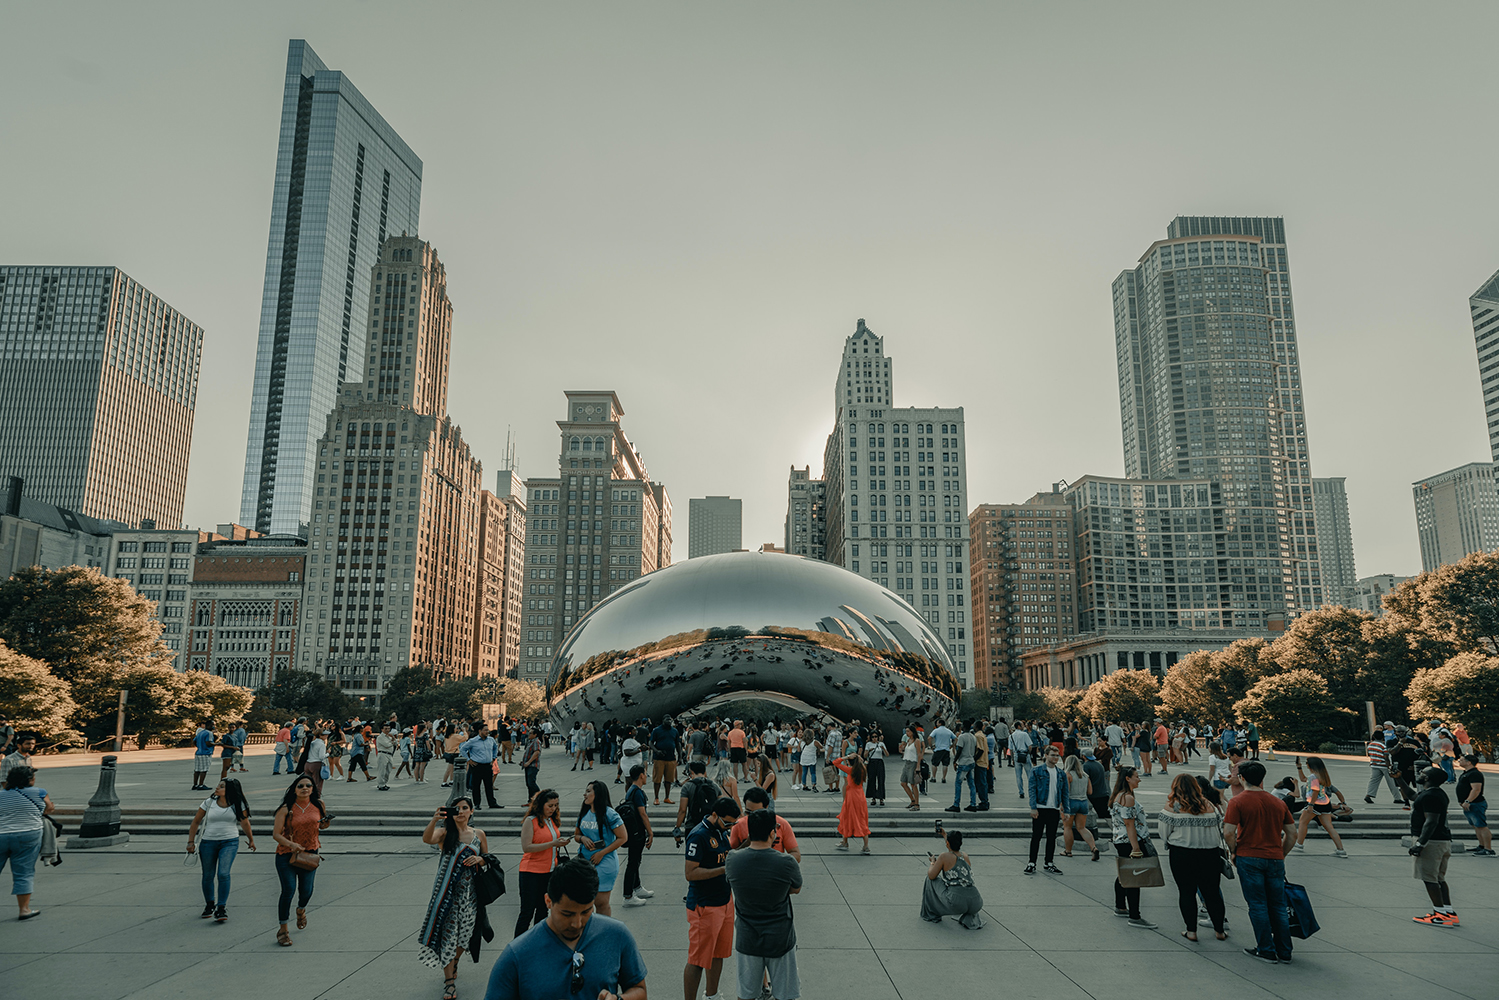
pixel 754 622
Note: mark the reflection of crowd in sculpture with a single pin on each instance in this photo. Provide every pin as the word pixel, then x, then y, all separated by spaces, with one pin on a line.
pixel 908 684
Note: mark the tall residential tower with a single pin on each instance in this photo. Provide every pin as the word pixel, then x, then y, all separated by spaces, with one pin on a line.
pixel 344 180
pixel 1210 389
pixel 714 525
pixel 1335 541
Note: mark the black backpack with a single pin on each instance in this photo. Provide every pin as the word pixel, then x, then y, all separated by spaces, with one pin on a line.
pixel 700 800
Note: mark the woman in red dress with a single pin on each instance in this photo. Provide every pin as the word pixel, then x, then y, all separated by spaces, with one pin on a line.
pixel 853 818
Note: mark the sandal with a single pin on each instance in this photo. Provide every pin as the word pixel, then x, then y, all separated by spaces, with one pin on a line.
pixel 450 989
pixel 1222 935
pixel 1066 854
pixel 1095 854
pixel 283 938
pixel 1190 935
pixel 301 920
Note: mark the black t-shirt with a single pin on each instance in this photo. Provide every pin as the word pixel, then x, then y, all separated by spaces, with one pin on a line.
pixel 630 808
pixel 1433 800
pixel 502 733
pixel 1465 783
pixel 708 846
pixel 1404 757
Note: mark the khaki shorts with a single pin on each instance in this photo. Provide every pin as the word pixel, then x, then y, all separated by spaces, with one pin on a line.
pixel 665 770
pixel 908 772
pixel 1431 863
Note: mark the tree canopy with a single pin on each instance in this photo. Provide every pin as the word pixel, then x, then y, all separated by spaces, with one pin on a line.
pixel 1466 690
pixel 1127 695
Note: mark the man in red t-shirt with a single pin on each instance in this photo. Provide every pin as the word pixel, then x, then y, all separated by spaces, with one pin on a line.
pixel 1260 830
pixel 783 838
pixel 1162 745
pixel 738 757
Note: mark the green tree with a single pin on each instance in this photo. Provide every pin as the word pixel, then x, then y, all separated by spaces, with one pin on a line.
pixel 1466 690
pixel 1125 694
pixel 1207 684
pixel 1330 643
pixel 156 706
pixel 295 693
pixel 1460 603
pixel 209 696
pixel 77 621
pixel 32 698
pixel 1291 709
pixel 975 703
pixel 525 699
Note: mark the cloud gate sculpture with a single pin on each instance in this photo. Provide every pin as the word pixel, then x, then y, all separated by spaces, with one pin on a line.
pixel 704 632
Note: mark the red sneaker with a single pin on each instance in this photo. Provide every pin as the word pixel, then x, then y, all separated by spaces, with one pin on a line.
pixel 1438 919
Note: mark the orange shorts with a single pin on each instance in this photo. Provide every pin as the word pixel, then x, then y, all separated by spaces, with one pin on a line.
pixel 710 934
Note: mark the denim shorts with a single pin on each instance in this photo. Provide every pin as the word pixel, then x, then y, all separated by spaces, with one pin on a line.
pixel 1077 807
pixel 1477 815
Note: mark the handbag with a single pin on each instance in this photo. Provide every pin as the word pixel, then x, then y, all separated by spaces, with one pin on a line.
pixel 1142 873
pixel 307 861
pixel 489 880
pixel 326 773
pixel 1299 911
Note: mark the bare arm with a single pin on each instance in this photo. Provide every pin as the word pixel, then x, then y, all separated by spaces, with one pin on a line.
pixel 244 824
pixel 697 873
pixel 192 830
pixel 281 824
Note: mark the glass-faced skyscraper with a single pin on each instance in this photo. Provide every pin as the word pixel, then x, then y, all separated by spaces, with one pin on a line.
pixel 344 180
pixel 1210 388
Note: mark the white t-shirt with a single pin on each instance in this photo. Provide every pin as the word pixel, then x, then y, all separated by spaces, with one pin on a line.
pixel 809 753
pixel 1115 736
pixel 1056 781
pixel 317 753
pixel 630 754
pixel 911 752
pixel 218 821
pixel 1218 768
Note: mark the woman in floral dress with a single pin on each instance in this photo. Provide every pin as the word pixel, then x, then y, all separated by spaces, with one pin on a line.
pixel 453 911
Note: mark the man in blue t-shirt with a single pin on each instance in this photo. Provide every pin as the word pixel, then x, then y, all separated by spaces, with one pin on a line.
pixel 710 907
pixel 575 952
pixel 202 755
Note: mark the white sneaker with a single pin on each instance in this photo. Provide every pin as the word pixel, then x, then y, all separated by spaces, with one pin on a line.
pixel 1340 854
pixel 641 890
pixel 1299 847
pixel 634 901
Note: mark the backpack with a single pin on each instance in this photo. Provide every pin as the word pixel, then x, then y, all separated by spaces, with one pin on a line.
pixel 700 800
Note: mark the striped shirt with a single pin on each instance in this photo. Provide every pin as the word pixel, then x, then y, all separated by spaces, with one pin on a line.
pixel 1379 756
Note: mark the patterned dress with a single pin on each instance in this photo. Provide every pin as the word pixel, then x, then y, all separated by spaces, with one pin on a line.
pixel 454 908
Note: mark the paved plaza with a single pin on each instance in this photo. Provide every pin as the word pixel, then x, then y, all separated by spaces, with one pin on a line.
pixel 123 922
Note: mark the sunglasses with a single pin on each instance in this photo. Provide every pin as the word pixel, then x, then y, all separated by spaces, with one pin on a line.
pixel 577 972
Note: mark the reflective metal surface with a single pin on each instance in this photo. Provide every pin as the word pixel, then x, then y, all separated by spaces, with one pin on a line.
pixel 754 621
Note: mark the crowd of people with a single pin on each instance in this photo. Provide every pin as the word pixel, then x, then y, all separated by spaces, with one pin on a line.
pixel 741 859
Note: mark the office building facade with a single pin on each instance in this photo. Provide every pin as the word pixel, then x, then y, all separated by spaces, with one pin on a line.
pixel 245 607
pixel 1457 514
pixel 48 536
pixel 502 553
pixel 344 181
pixel 1369 592
pixel 1023 583
pixel 598 524
pixel 1210 389
pixel 100 382
pixel 714 525
pixel 806 520
pixel 1334 540
pixel 1483 306
pixel 896 483
pixel 394 547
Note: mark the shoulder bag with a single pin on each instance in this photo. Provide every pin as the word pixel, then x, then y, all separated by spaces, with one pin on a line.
pixel 307 861
pixel 489 880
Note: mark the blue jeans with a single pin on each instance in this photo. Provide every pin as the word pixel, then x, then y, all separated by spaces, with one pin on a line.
pixel 1263 882
pixel 961 773
pixel 292 879
pixel 21 850
pixel 290 764
pixel 1020 770
pixel 217 856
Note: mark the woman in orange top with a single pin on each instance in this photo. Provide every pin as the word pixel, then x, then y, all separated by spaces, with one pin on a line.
pixel 298 820
pixel 540 837
pixel 853 818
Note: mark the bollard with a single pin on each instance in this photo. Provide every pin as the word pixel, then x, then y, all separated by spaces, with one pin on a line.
pixel 460 779
pixel 101 820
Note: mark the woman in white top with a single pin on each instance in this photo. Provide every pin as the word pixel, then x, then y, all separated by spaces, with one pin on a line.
pixel 1218 767
pixel 793 746
pixel 911 750
pixel 221 817
pixel 810 746
pixel 874 757
pixel 315 759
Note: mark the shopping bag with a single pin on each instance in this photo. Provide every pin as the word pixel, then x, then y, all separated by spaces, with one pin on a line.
pixel 1299 906
pixel 1142 873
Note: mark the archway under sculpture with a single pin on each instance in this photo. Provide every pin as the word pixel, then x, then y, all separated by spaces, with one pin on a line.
pixel 757 622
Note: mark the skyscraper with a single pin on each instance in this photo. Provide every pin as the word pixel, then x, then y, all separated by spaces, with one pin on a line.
pixel 883 512
pixel 394 555
pixel 344 179
pixel 502 553
pixel 1457 514
pixel 806 522
pixel 99 379
pixel 1334 541
pixel 714 525
pixel 600 523
pixel 1210 389
pixel 1484 306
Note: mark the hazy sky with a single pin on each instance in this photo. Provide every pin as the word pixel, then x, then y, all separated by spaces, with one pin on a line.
pixel 693 204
